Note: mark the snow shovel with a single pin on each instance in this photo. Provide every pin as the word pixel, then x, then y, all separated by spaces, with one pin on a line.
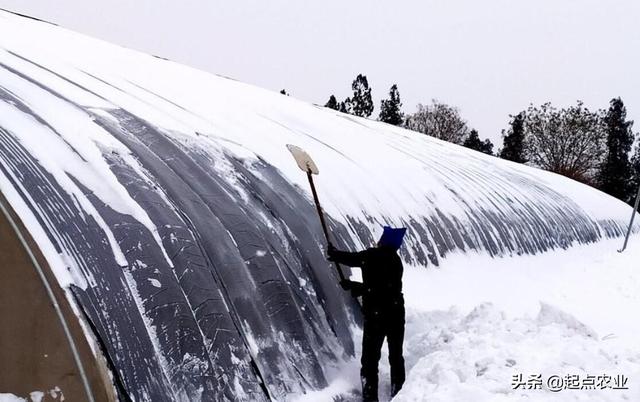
pixel 307 165
pixel 633 215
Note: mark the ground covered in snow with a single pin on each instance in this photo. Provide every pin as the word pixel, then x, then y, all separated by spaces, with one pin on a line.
pixel 476 324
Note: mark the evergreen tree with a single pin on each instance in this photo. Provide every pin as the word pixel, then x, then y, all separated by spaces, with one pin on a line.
pixel 332 103
pixel 361 102
pixel 346 106
pixel 390 108
pixel 513 148
pixel 615 174
pixel 473 142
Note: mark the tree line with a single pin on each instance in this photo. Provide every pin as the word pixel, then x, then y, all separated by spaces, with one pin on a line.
pixel 590 146
pixel 435 119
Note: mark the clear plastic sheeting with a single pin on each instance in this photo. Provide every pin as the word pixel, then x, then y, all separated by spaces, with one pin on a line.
pixel 185 231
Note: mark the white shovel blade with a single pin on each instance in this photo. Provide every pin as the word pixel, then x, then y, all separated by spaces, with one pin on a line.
pixel 303 159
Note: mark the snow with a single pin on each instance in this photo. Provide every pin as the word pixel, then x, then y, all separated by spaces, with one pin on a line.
pixel 495 298
pixel 36 396
pixel 155 282
pixel 594 283
pixel 475 322
pixel 64 272
pixel 338 387
pixel 4 397
pixel 73 129
pixel 150 326
pixel 456 357
pixel 252 343
pixel 220 115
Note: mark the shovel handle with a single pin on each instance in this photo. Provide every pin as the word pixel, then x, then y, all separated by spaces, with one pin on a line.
pixel 322 221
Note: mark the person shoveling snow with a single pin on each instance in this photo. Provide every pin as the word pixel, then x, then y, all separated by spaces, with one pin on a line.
pixel 382 307
pixel 381 291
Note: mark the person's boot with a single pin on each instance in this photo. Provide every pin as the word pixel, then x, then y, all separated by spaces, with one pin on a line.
pixel 369 389
pixel 397 377
pixel 396 361
pixel 395 388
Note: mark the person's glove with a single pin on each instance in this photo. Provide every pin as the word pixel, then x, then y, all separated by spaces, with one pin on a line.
pixel 356 288
pixel 331 252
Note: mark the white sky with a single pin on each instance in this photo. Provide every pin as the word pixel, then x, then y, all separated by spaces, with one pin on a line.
pixel 490 58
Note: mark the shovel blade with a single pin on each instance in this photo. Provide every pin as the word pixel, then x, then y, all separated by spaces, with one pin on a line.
pixel 304 161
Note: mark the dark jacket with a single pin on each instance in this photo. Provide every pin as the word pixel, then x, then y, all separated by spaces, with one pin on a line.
pixel 382 269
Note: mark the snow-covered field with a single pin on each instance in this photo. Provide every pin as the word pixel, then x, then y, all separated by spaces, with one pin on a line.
pixel 476 322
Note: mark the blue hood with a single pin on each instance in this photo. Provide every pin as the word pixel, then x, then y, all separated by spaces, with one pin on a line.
pixel 392 237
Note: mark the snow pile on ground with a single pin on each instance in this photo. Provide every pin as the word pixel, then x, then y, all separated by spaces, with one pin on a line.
pixel 54 394
pixel 476 322
pixel 474 357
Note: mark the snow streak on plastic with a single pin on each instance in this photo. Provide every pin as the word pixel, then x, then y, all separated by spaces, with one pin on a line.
pixel 184 229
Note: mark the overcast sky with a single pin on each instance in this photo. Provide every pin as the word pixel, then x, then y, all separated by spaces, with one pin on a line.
pixel 490 58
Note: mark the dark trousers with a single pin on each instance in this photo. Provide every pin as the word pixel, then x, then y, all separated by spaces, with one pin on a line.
pixel 379 324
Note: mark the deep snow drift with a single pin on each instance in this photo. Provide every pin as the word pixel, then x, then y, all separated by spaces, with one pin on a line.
pixel 165 200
